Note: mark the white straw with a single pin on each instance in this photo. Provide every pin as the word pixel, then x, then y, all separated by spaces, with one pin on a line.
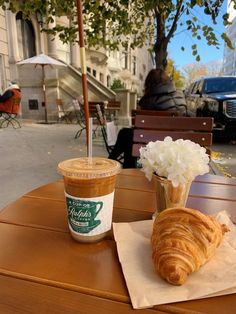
pixel 90 141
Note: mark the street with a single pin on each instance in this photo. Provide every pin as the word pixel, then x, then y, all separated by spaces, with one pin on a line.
pixel 30 156
pixel 224 157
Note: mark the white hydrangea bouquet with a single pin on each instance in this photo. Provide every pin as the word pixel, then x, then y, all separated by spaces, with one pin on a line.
pixel 179 161
pixel 176 164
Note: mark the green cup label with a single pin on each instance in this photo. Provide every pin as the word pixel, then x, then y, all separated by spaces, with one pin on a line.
pixel 90 216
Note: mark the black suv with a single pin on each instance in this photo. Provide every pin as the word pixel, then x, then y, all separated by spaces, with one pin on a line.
pixel 215 97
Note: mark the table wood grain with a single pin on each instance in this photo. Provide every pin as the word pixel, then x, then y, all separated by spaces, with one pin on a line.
pixel 42 269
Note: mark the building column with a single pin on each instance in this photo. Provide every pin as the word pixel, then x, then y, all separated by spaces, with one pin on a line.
pixel 133 100
pixel 14 55
pixel 52 51
pixel 13 49
pixel 75 55
pixel 124 118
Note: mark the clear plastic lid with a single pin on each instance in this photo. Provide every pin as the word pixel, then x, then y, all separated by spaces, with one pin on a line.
pixel 85 167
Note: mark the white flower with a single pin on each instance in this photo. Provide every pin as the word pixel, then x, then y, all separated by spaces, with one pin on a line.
pixel 179 161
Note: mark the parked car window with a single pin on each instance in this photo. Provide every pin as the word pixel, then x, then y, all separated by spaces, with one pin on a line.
pixel 218 85
pixel 195 87
pixel 200 86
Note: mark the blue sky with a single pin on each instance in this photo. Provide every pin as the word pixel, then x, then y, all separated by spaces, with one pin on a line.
pixel 207 53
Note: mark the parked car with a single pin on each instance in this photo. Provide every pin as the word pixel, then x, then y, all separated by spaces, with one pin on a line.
pixel 215 97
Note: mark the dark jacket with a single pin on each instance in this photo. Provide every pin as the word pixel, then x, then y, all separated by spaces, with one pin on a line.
pixel 164 97
pixel 8 94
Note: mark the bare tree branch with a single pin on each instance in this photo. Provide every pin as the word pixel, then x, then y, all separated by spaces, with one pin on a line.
pixel 176 18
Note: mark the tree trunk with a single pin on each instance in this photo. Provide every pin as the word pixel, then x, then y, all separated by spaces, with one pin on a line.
pixel 160 57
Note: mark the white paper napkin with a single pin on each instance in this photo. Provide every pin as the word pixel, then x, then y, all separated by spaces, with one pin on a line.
pixel 147 289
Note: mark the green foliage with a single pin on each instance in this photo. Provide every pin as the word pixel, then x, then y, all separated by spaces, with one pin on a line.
pixel 133 23
pixel 117 84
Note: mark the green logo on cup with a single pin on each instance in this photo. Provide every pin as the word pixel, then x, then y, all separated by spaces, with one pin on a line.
pixel 82 214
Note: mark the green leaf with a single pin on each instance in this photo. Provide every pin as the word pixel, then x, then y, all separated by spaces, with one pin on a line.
pixel 207 11
pixel 227 40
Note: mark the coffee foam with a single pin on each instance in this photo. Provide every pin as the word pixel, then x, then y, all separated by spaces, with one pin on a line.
pixel 87 168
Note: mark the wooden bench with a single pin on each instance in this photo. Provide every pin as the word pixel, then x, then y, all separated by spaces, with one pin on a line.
pixel 166 113
pixel 152 128
pixel 172 113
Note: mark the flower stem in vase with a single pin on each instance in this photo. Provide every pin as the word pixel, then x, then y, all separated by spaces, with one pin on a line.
pixel 177 195
pixel 169 196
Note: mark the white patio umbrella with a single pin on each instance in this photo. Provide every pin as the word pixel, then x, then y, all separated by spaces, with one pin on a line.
pixel 43 60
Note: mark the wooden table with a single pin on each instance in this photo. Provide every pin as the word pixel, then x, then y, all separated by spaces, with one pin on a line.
pixel 43 270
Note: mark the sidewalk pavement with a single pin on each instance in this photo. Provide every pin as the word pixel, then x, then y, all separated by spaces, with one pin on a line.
pixel 30 156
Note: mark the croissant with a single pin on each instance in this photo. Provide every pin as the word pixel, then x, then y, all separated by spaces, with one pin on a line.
pixel 183 239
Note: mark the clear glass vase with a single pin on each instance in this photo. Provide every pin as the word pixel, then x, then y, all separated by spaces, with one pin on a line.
pixel 169 196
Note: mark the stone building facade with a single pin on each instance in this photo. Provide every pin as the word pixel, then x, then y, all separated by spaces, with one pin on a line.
pixel 21 39
pixel 229 60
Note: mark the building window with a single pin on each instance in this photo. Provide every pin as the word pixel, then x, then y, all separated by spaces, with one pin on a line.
pixel 94 73
pixel 88 69
pixel 101 77
pixel 134 65
pixel 25 37
pixel 108 81
pixel 124 60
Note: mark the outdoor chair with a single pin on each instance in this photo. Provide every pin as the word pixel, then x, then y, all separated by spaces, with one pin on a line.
pixel 152 128
pixel 109 132
pixel 93 114
pixel 80 119
pixel 9 117
pixel 93 108
pixel 111 109
pixel 108 108
pixel 63 115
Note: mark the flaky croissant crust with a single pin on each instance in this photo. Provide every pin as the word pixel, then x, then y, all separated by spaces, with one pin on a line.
pixel 183 239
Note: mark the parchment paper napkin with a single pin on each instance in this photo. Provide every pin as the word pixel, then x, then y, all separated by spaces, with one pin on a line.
pixel 146 288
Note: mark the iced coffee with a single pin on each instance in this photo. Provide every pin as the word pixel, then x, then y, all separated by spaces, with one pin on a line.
pixel 89 191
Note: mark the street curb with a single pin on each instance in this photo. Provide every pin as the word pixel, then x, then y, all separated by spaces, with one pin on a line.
pixel 214 168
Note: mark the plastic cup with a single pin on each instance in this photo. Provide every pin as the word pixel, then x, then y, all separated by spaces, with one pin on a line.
pixel 89 191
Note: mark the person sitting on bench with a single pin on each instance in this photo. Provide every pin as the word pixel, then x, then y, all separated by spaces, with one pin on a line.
pixel 159 94
pixel 10 94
